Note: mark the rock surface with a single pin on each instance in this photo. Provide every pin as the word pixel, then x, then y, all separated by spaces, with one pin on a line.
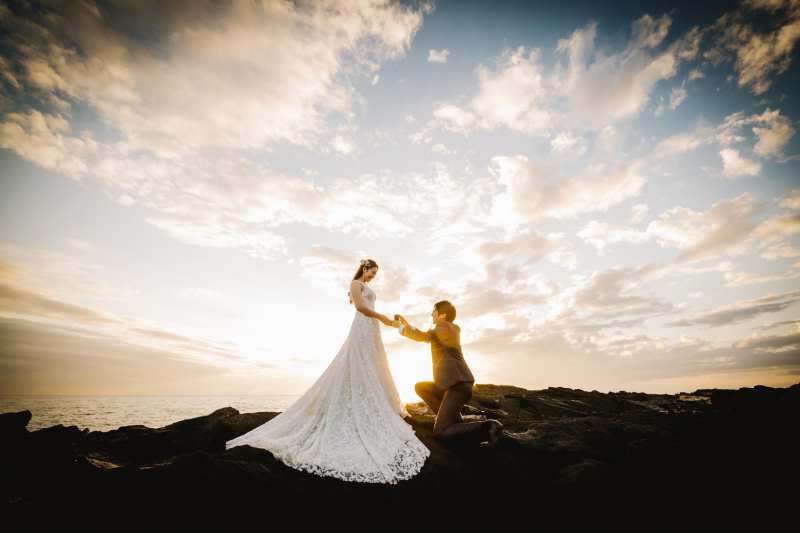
pixel 717 457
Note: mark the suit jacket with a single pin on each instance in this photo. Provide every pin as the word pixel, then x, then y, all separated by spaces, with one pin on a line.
pixel 449 366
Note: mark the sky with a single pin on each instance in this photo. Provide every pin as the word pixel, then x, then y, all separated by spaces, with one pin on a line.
pixel 608 192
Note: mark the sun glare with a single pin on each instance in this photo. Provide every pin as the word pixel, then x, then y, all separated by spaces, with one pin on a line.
pixel 409 367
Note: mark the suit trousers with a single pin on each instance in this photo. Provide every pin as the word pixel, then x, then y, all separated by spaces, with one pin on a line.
pixel 447 405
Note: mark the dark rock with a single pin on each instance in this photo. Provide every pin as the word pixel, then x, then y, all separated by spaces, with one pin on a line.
pixel 141 446
pixel 620 458
pixel 13 425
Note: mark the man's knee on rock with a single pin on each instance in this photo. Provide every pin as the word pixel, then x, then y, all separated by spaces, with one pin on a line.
pixel 419 388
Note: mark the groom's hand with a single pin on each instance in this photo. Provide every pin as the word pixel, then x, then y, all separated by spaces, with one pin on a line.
pixel 403 321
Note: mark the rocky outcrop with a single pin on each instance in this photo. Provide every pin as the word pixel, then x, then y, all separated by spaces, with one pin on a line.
pixel 566 456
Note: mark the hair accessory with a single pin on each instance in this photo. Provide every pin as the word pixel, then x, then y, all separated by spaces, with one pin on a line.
pixel 364 262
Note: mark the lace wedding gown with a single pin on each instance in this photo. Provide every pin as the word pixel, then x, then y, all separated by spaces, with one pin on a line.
pixel 349 424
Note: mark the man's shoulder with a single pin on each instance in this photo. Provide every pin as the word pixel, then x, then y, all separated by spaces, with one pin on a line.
pixel 444 325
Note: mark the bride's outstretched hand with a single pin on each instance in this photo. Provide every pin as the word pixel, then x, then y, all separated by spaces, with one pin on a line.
pixel 385 320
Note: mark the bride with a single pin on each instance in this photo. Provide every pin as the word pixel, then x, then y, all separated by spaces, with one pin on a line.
pixel 349 424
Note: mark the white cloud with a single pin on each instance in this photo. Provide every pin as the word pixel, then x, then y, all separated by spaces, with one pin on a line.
pixel 730 314
pixel 638 212
pixel 565 142
pixel 677 96
pixel 331 270
pixel 775 135
pixel 757 55
pixel 375 80
pixel 531 192
pixel 291 52
pixel 261 74
pixel 45 140
pixel 601 235
pixel 520 95
pixel 341 145
pixel 772 130
pixel 778 251
pixel 737 279
pixel 438 57
pixel 79 244
pixel 730 228
pixel 441 149
pixel 735 165
pixel 790 200
pixel 695 74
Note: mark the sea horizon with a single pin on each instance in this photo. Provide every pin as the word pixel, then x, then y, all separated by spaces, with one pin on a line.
pixel 107 412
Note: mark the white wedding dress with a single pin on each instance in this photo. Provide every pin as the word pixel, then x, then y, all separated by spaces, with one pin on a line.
pixel 349 424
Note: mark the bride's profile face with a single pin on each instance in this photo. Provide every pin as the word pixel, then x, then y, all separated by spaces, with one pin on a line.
pixel 370 274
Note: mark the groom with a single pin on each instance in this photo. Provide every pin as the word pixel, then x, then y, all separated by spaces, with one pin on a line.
pixel 451 387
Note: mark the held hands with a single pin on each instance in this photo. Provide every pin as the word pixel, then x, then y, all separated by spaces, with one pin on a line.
pixel 402 321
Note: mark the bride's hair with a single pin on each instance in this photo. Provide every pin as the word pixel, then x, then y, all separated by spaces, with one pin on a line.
pixel 365 265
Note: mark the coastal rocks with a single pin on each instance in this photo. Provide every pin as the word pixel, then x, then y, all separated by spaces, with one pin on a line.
pixel 624 456
pixel 140 446
pixel 14 425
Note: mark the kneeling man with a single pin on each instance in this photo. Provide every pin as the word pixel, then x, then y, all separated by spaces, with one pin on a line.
pixel 452 383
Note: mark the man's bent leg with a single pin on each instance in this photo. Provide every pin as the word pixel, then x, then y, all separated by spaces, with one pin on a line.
pixel 430 394
pixel 445 428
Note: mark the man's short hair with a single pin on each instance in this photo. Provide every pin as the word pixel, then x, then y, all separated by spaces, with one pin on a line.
pixel 446 308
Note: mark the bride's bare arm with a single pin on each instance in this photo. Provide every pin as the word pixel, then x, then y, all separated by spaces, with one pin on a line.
pixel 355 295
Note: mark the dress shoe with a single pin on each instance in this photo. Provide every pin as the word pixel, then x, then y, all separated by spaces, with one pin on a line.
pixel 460 419
pixel 495 430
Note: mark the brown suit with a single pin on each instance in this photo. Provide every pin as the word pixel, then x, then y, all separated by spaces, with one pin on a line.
pixel 449 366
pixel 451 387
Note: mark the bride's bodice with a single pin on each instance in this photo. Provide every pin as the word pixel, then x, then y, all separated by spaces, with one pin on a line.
pixel 368 296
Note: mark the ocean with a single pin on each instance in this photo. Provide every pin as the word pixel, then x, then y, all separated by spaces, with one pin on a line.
pixel 104 413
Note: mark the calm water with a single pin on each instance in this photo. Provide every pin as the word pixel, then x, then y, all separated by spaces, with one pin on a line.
pixel 103 413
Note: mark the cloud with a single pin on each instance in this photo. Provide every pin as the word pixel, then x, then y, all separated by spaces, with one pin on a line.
pixel 721 229
pixel 728 315
pixel 45 140
pixel 738 279
pixel 523 96
pixel 775 135
pixel 601 235
pixel 612 288
pixel 790 200
pixel 79 244
pixel 735 166
pixel 618 86
pixel 510 96
pixel 730 228
pixel 341 145
pixel 35 290
pixel 438 57
pixel 441 149
pixel 757 55
pixel 332 270
pixel 532 192
pixel 772 130
pixel 186 109
pixel 185 88
pixel 565 142
pixel 677 96
pixel 778 251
